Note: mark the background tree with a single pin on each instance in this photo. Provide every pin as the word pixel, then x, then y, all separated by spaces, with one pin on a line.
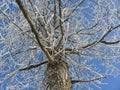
pixel 57 44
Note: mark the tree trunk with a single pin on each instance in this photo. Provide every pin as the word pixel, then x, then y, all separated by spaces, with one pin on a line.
pixel 57 77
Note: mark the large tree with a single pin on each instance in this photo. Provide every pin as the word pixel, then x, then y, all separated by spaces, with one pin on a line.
pixel 56 44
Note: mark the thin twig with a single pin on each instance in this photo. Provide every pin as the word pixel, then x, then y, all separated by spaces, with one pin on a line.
pixel 92 80
pixel 11 20
pixel 23 69
pixel 114 42
pixel 33 66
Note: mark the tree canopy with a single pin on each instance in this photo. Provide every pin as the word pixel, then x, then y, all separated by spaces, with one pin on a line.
pixel 83 33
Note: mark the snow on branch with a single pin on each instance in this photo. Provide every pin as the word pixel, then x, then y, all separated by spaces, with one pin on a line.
pixel 23 69
pixel 26 15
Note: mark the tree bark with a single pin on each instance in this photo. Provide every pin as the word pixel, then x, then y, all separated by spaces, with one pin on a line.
pixel 57 77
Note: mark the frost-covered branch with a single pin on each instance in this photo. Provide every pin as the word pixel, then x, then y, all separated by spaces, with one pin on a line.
pixel 11 20
pixel 68 16
pixel 78 4
pixel 61 27
pixel 26 15
pixel 23 69
pixel 82 33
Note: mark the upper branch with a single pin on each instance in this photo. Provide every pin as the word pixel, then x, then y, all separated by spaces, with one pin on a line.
pixel 101 40
pixel 36 33
pixel 110 30
pixel 40 23
pixel 68 16
pixel 61 28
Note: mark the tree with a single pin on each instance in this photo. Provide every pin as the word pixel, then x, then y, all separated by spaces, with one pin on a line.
pixel 55 44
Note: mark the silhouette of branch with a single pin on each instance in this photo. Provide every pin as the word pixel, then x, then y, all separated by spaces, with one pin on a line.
pixel 115 42
pixel 33 66
pixel 92 80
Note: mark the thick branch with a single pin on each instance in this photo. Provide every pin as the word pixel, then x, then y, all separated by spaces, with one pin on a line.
pixel 36 33
pixel 92 80
pixel 33 66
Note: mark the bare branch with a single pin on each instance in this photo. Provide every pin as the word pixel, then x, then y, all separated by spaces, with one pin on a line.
pixel 89 45
pixel 105 34
pixel 106 42
pixel 92 80
pixel 33 66
pixel 116 27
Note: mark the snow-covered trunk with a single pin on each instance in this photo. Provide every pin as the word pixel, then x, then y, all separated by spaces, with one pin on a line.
pixel 57 77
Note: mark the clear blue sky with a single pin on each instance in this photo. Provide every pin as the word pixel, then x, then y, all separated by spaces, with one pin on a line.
pixel 113 83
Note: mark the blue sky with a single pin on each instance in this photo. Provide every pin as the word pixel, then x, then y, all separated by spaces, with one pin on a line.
pixel 113 83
